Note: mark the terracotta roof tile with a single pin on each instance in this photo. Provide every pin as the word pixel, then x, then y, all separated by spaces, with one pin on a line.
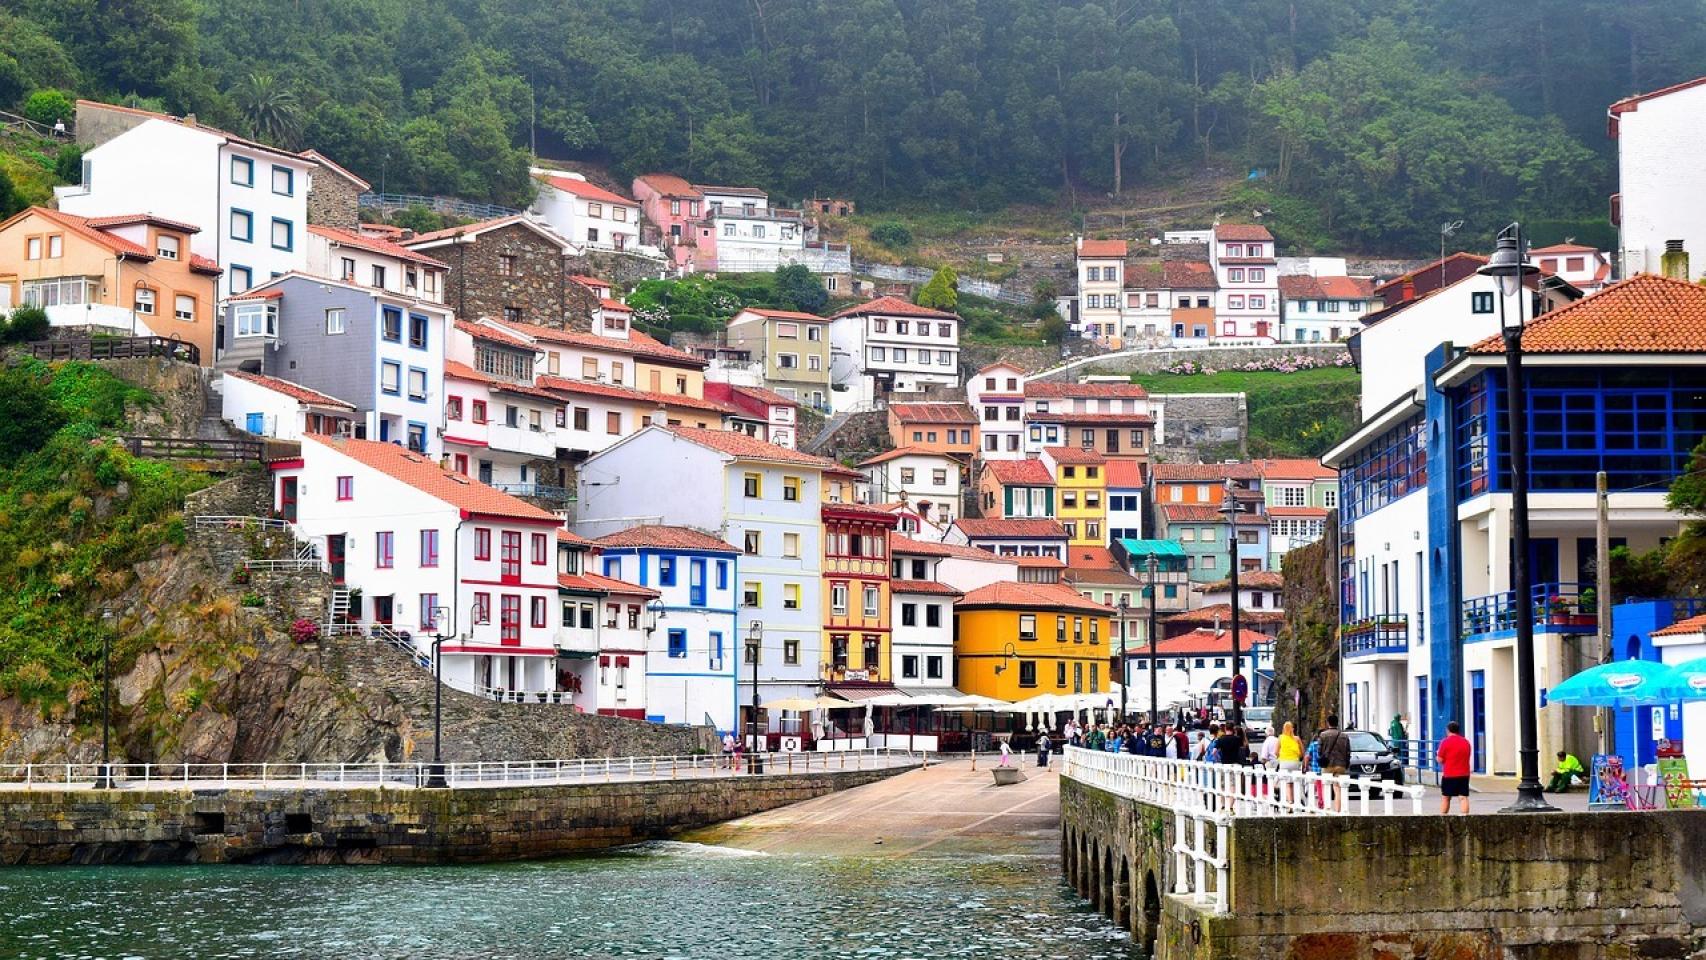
pixel 425 475
pixel 1251 580
pixel 670 185
pixel 587 191
pixel 1074 455
pixel 462 371
pixel 1043 562
pixel 894 307
pixel 1192 513
pixel 593 583
pixel 1563 248
pixel 1199 472
pixel 1091 558
pixel 1192 275
pixel 1298 287
pixel 1319 513
pixel 1293 468
pixel 899 452
pixel 638 344
pixel 1111 419
pixel 1241 231
pixel 926 587
pixel 1683 627
pixel 485 331
pixel 1049 390
pixel 1124 475
pixel 664 537
pixel 605 303
pixel 1025 528
pixel 126 219
pixel 1101 249
pixel 783 314
pixel 1025 473
pixel 1031 596
pixel 295 391
pixel 900 543
pixel 1631 103
pixel 1224 612
pixel 374 245
pixel 1643 314
pixel 81 227
pixel 741 446
pixel 612 391
pixel 1203 640
pixel 954 413
pixel 201 264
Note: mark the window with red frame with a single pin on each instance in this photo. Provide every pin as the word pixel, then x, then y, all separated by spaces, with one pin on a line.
pixel 482 543
pixel 453 408
pixel 382 549
pixel 540 555
pixel 482 608
pixel 346 488
pixel 538 612
pixel 462 464
pixel 509 558
pixel 509 622
pixel 429 548
pixel 478 413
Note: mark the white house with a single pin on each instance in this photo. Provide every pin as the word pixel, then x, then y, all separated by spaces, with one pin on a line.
pixel 1586 268
pixel 693 633
pixel 584 214
pixel 921 617
pixel 888 346
pixel 1012 537
pixel 270 407
pixel 1324 309
pixel 433 552
pixel 502 431
pixel 1247 306
pixel 1189 667
pixel 997 396
pixel 1101 288
pixel 927 480
pixel 752 236
pixel 1659 203
pixel 250 200
pixel 374 262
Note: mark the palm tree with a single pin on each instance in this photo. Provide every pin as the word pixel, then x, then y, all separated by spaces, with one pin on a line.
pixel 273 112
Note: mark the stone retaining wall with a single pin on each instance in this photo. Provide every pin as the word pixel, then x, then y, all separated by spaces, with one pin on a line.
pixel 1561 886
pixel 1153 361
pixel 370 825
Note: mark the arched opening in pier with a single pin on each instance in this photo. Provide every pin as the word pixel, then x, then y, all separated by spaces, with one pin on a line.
pixel 1122 894
pixel 1150 927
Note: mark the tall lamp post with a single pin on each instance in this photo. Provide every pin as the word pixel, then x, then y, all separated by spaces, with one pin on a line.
pixel 435 772
pixel 1509 265
pixel 1125 664
pixel 1154 565
pixel 754 637
pixel 1230 508
pixel 104 776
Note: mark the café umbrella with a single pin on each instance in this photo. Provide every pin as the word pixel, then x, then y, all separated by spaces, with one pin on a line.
pixel 1624 683
pixel 1688 680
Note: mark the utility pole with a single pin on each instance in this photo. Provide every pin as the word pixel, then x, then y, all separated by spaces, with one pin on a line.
pixel 1602 593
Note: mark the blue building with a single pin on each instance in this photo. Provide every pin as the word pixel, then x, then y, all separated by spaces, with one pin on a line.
pixel 1615 383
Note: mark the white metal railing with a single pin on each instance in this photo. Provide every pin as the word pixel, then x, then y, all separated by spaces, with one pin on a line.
pixel 305 558
pixel 502 695
pixel 491 773
pixel 220 522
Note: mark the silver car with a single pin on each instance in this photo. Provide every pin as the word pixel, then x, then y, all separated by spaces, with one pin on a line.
pixel 1259 723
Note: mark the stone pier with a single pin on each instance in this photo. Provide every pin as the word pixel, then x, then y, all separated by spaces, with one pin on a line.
pixel 1563 886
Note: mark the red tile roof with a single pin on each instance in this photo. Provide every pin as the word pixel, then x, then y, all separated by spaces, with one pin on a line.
pixel 1026 473
pixel 1171 275
pixel 386 248
pixel 1200 472
pixel 1426 278
pixel 1192 513
pixel 899 452
pixel 1111 419
pixel 80 226
pixel 1044 562
pixel 858 512
pixel 126 219
pixel 1203 640
pixel 894 307
pixel 1124 475
pixel 953 413
pixel 465 493
pixel 764 396
pixel 1030 596
pixel 1015 528
pixel 1224 612
pixel 1048 390
pixel 1643 314
pixel 1101 250
pixel 783 314
pixel 743 447
pixel 1563 248
pixel 670 185
pixel 1326 288
pixel 462 371
pixel 606 303
pixel 1091 558
pixel 201 264
pixel 1319 513
pixel 638 344
pixel 926 587
pixel 613 391
pixel 1074 455
pixel 664 537
pixel 295 391
pixel 1241 231
pixel 593 583
pixel 1633 103
pixel 1682 627
pixel 1293 468
pixel 485 331
pixel 587 191
pixel 1250 580
pixel 899 543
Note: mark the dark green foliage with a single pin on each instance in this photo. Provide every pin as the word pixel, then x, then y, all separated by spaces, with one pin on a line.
pixel 28 415
pixel 24 324
pixel 420 219
pixel 48 107
pixel 68 164
pixel 1678 567
pixel 10 201
pixel 799 288
pixel 942 292
pixel 891 234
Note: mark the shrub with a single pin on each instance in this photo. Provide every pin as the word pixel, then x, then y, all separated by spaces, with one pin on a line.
pixel 68 164
pixel 48 107
pixel 252 599
pixel 27 323
pixel 304 630
pixel 891 234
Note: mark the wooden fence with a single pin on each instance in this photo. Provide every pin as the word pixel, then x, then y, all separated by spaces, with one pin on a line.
pixel 114 348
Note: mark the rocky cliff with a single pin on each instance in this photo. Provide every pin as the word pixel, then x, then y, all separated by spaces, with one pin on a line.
pixel 1306 657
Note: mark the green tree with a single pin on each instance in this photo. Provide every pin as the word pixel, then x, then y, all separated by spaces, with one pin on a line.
pixel 26 323
pixel 28 414
pixel 10 201
pixel 943 290
pixel 48 107
pixel 68 164
pixel 799 289
pixel 892 234
pixel 271 109
pixel 1052 328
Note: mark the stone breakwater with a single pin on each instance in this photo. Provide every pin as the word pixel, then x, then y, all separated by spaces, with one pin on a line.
pixel 374 825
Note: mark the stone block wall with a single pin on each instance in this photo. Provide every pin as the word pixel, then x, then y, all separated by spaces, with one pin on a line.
pixel 371 825
pixel 334 201
pixel 1153 361
pixel 1201 427
pixel 479 289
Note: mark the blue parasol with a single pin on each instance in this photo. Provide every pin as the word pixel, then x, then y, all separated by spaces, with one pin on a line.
pixel 1688 680
pixel 1625 683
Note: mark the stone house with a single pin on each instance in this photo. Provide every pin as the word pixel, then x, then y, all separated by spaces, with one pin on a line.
pixel 334 194
pixel 511 269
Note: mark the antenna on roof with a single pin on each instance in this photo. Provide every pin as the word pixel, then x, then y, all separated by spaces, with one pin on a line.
pixel 1446 229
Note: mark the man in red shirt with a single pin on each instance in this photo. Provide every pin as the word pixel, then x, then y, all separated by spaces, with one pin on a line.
pixel 1454 753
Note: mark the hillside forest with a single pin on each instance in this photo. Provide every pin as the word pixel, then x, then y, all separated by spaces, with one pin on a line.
pixel 1355 124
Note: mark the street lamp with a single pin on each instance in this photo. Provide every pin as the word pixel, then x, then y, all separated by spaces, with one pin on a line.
pixel 1154 564
pixel 104 776
pixel 1230 508
pixel 1125 669
pixel 1509 265
pixel 754 637
pixel 435 772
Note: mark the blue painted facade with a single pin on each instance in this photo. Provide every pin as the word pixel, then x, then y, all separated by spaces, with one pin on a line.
pixel 1632 626
pixel 697 643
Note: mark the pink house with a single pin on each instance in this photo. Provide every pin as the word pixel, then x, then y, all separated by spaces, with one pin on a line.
pixel 677 209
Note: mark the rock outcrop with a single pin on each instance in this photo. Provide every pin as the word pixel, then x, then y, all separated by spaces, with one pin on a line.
pixel 1306 656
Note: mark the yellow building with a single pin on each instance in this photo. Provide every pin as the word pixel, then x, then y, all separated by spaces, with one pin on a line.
pixel 1013 641
pixel 856 593
pixel 1081 493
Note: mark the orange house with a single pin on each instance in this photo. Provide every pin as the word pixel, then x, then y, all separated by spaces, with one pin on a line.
pixel 1198 483
pixel 938 427
pixel 131 273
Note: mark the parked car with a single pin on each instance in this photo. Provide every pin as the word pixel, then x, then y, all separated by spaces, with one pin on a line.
pixel 1372 758
pixel 1259 723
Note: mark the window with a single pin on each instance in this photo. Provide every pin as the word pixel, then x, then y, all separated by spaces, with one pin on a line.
pixel 283 234
pixel 909 667
pixel 1258 302
pixel 1481 302
pixel 899 354
pixel 417 331
pixel 791 651
pixel 871 599
pixel 1027 626
pixel 391 324
pixel 242 225
pixel 677 642
pixel 1027 673
pixel 382 549
pixel 751 594
pixel 144 301
pixel 429 548
pixel 283 181
pixel 1235 274
pixel 838 598
pixel 429 606
pixel 666 571
pixel 612 422
pixel 335 321
pixel 32 248
pixel 378 275
pixel 945 358
pixel 417 384
pixel 243 171
pixel 540 551
pixel 482 543
pixel 790 596
pixel 1235 302
pixel 1258 275
pixel 752 485
pixel 933 615
pixel 390 377
pixel 752 542
pixel 166 247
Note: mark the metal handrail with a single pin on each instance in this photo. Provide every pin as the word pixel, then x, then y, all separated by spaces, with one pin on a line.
pixel 1232 790
pixel 234 522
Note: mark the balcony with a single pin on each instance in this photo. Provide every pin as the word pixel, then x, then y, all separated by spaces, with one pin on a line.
pixel 1555 607
pixel 522 439
pixel 576 642
pixel 1382 635
pixel 545 495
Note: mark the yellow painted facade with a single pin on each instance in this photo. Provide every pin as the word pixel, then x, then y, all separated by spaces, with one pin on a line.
pixel 1053 650
pixel 856 622
pixel 1081 502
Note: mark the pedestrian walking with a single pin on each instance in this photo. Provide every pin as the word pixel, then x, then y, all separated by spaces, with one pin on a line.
pixel 1334 750
pixel 1400 740
pixel 1453 755
pixel 1288 750
pixel 1043 745
pixel 1006 755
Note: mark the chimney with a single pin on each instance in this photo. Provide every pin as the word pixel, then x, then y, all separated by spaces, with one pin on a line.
pixel 1408 290
pixel 189 119
pixel 1674 262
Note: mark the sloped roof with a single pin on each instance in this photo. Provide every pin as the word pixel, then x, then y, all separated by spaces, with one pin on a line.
pixel 470 230
pixel 670 185
pixel 1314 513
pixel 1241 231
pixel 743 447
pixel 1192 513
pixel 418 471
pixel 375 245
pixel 1224 612
pixel 586 191
pixel 1031 596
pixel 1293 468
pixel 1298 287
pixel 894 307
pixel 1632 103
pixel 1199 472
pixel 926 587
pixel 1683 627
pixel 1203 640
pixel 666 537
pixel 995 528
pixel 1194 275
pixel 1049 389
pixel 1025 473
pixel 461 371
pixel 900 543
pixel 951 413
pixel 899 452
pixel 1102 250
pixel 295 391
pixel 594 583
pixel 1074 456
pixel 1249 580
pixel 197 125
pixel 1124 475
pixel 1563 248
pixel 80 226
pixel 638 344
pixel 783 314
pixel 614 391
pixel 1643 314
pixel 485 331
pixel 335 167
pixel 126 219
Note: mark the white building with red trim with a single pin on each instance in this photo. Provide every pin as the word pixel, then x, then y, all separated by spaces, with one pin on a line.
pixel 587 214
pixel 1247 305
pixel 414 538
pixel 997 395
pixel 269 407
pixel 605 628
pixel 1659 201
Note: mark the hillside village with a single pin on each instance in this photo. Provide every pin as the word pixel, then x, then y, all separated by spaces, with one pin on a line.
pixel 501 471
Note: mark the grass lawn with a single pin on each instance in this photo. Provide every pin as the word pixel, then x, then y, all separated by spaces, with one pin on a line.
pixel 1238 381
pixel 1300 414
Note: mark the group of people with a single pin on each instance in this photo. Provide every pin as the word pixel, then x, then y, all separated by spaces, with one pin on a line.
pixel 1220 743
